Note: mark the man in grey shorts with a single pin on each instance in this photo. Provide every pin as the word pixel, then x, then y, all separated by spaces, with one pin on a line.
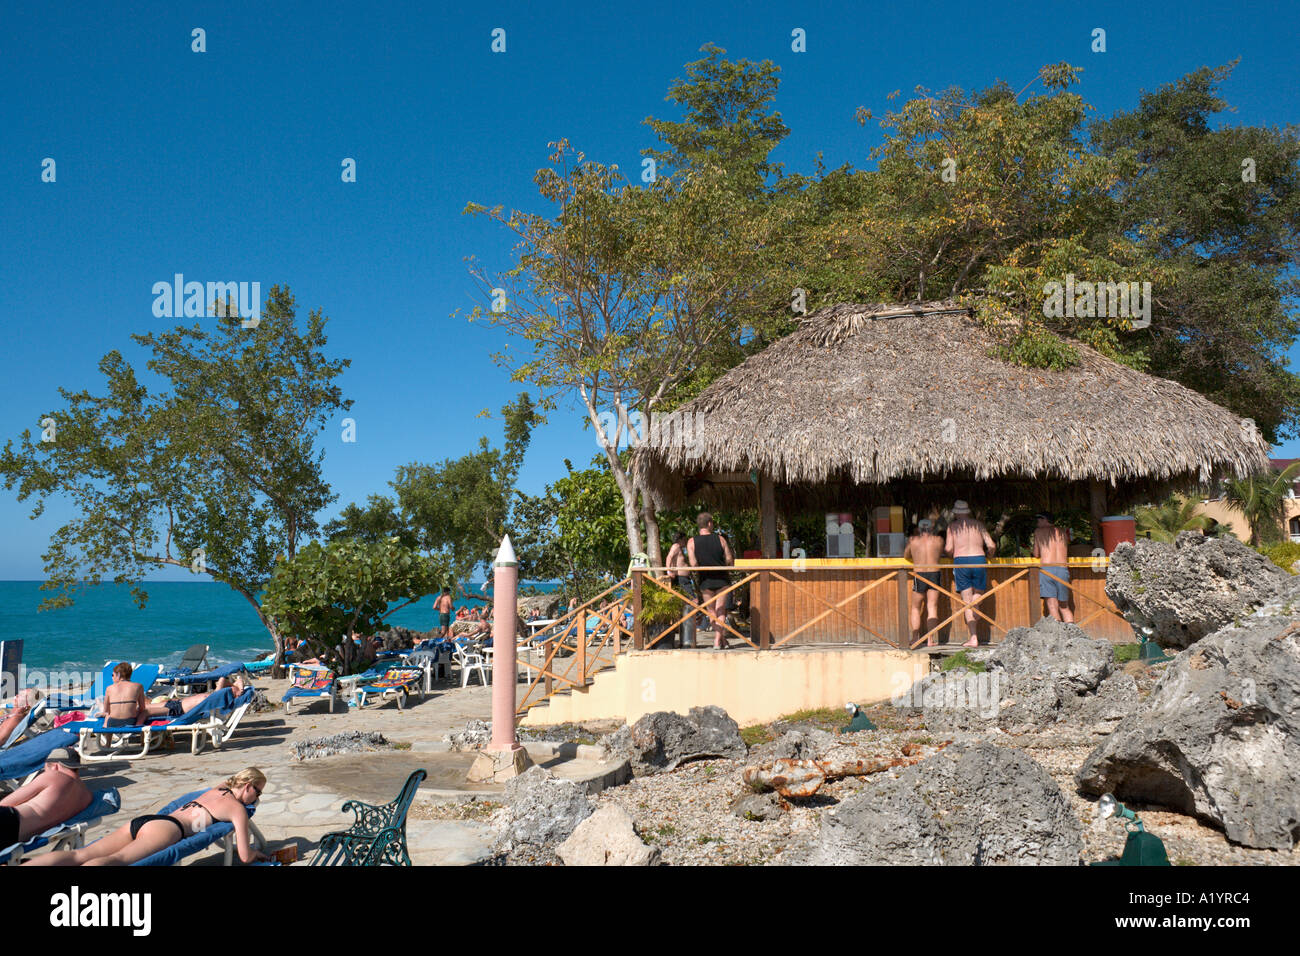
pixel 1052 548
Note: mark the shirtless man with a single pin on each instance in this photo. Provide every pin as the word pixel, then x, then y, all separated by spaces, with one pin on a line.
pixel 179 706
pixel 442 604
pixel 1051 547
pixel 924 548
pixel 968 542
pixel 55 795
pixel 124 702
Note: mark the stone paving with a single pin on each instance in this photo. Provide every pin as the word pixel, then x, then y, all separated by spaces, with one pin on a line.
pixel 303 799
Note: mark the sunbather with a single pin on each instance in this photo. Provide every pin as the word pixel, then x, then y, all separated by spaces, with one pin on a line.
pixel 23 704
pixel 179 706
pixel 124 700
pixel 55 795
pixel 146 835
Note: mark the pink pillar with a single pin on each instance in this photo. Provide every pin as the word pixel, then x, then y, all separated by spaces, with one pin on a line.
pixel 505 578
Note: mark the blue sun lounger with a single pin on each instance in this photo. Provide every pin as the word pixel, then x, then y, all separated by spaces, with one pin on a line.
pixel 145 675
pixel 71 833
pixel 24 759
pixel 36 710
pixel 216 717
pixel 220 832
pixel 310 683
pixel 207 678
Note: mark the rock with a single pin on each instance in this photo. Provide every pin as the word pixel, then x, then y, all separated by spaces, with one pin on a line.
pixel 1178 593
pixel 1218 737
pixel 401 638
pixel 663 740
pixel 1035 677
pixel 543 808
pixel 971 804
pixel 796 745
pixel 546 605
pixel 607 838
pixel 350 741
pixel 756 806
pixel 475 736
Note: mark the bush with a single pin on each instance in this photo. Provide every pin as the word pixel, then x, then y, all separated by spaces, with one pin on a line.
pixel 1283 555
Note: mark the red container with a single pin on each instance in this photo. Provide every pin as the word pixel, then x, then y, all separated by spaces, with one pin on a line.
pixel 1116 529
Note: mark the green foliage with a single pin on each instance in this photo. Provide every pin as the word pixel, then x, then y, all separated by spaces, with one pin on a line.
pixel 962 660
pixel 1164 521
pixel 217 472
pixel 1126 652
pixel 456 511
pixel 1284 554
pixel 658 607
pixel 346 587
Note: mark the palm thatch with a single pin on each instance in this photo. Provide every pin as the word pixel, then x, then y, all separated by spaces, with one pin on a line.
pixel 913 395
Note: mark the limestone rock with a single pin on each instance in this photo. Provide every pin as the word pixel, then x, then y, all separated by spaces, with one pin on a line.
pixel 476 735
pixel 1037 676
pixel 1218 737
pixel 1178 593
pixel 543 808
pixel 756 806
pixel 663 740
pixel 971 804
pixel 607 838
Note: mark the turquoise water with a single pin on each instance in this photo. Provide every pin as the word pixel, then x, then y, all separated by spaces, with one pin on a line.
pixel 105 624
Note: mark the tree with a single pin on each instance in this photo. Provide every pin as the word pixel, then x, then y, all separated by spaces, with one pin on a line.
pixel 1261 500
pixel 628 291
pixel 218 473
pixel 1164 522
pixel 456 511
pixel 328 593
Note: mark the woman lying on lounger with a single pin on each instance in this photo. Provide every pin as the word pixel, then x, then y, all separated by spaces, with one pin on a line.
pixel 146 835
pixel 179 706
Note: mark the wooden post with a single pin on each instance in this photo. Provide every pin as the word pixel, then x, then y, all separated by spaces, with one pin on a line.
pixel 1031 599
pixel 764 623
pixel 904 618
pixel 767 516
pixel 1097 505
pixel 638 632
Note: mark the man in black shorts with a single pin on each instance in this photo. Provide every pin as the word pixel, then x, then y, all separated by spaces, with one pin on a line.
pixel 924 548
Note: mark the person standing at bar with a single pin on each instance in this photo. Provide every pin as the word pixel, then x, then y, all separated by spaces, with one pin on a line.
pixel 969 543
pixel 1052 548
pixel 708 549
pixel 924 548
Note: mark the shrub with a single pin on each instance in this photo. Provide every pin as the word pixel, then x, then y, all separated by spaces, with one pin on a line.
pixel 1283 555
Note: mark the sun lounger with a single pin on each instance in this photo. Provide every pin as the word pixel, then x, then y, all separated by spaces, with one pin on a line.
pixel 71 833
pixel 145 675
pixel 208 679
pixel 26 758
pixel 36 711
pixel 191 661
pixel 394 682
pixel 216 718
pixel 310 683
pixel 220 832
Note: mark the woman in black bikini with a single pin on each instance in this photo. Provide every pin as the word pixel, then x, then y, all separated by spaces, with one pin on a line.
pixel 146 835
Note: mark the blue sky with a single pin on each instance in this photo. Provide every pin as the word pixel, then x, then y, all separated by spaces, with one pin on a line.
pixel 225 165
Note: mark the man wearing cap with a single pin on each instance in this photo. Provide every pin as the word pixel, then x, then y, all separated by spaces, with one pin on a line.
pixel 57 794
pixel 969 543
pixel 924 548
pixel 1052 547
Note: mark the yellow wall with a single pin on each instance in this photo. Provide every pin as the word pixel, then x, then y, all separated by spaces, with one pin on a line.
pixel 752 686
pixel 1225 515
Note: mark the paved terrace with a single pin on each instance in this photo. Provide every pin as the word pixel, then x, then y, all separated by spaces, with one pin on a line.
pixel 303 799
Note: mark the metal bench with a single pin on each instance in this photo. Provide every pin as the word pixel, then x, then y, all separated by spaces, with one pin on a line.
pixel 376 838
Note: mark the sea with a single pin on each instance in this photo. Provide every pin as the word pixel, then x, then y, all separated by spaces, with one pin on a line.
pixel 104 623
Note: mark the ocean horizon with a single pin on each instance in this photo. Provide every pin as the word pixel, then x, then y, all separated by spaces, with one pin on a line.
pixel 105 624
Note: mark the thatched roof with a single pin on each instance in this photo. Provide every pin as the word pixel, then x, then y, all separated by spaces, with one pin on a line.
pixel 875 394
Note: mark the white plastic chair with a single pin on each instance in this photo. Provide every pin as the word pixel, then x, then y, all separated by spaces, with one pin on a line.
pixel 471 661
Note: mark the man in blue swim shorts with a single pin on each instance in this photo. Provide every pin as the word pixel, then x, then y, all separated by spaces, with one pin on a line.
pixel 1052 548
pixel 969 543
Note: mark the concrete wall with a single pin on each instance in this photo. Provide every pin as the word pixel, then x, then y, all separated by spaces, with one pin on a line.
pixel 752 686
pixel 1221 513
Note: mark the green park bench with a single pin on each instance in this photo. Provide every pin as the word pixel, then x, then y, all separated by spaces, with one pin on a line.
pixel 376 838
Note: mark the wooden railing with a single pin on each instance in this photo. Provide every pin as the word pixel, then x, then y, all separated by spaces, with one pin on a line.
pixel 823 603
